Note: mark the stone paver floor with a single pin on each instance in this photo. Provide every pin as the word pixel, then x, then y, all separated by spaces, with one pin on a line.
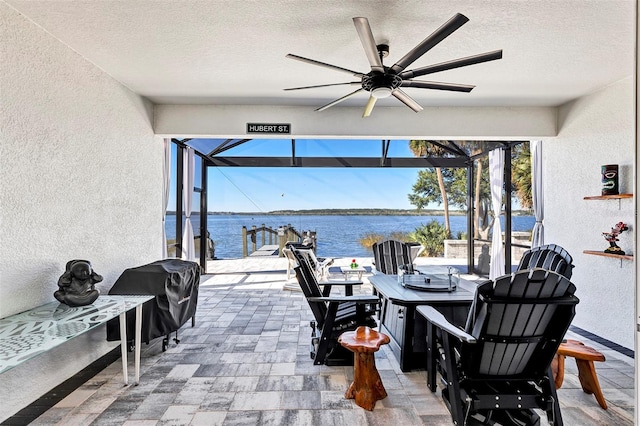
pixel 246 362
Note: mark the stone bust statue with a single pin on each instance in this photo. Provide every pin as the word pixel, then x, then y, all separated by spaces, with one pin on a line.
pixel 76 287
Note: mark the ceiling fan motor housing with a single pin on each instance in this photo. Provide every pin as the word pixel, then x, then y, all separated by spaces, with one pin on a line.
pixel 377 80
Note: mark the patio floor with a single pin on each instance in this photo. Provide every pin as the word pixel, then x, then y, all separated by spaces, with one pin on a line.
pixel 246 362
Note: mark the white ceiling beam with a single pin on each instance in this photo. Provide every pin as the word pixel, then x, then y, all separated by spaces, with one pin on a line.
pixel 482 123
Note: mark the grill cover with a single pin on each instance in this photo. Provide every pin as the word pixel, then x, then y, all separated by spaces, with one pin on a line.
pixel 173 282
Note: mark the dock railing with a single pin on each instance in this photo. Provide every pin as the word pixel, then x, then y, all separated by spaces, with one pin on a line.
pixel 269 236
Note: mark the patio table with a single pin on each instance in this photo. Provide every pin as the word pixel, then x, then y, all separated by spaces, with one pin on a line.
pixel 347 271
pixel 407 329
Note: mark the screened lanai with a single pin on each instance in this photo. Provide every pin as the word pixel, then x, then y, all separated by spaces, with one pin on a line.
pixel 209 154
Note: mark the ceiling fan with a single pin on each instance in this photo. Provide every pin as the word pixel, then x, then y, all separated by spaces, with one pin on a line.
pixel 383 81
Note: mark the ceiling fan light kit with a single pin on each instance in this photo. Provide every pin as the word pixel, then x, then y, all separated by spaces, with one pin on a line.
pixel 382 81
pixel 381 92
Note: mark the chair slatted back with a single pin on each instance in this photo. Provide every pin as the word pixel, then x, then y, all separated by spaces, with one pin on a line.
pixel 316 265
pixel 309 285
pixel 307 251
pixel 389 254
pixel 520 323
pixel 551 257
pixel 311 258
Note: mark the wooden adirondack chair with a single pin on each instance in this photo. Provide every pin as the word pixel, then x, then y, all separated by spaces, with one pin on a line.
pixel 498 369
pixel 318 264
pixel 291 261
pixel 333 314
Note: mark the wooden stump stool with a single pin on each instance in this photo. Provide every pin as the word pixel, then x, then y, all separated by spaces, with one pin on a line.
pixel 367 387
pixel 584 356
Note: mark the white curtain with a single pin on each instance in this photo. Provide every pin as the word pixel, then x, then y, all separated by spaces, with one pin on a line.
pixel 188 247
pixel 496 177
pixel 166 182
pixel 537 193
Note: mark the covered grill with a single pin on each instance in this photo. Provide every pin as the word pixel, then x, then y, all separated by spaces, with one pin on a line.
pixel 174 283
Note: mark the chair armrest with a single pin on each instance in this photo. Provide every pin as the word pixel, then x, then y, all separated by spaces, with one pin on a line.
pixel 328 285
pixel 437 319
pixel 341 299
pixel 341 282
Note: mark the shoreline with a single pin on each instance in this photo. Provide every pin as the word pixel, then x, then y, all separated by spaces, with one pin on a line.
pixel 349 212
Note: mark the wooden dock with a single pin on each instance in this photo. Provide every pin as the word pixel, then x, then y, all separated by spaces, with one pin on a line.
pixel 268 236
pixel 266 250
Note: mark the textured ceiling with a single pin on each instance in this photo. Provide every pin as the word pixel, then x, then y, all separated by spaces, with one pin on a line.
pixel 233 51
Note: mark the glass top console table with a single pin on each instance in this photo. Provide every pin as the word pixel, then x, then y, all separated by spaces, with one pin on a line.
pixel 33 332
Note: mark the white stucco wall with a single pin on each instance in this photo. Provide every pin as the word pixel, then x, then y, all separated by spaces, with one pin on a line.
pixel 81 177
pixel 594 130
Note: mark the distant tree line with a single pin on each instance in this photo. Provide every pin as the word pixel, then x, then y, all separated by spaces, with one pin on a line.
pixel 338 212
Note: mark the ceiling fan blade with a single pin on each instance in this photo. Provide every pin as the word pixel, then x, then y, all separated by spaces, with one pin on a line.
pixel 369 43
pixel 323 64
pixel 370 104
pixel 456 63
pixel 438 86
pixel 337 101
pixel 325 85
pixel 428 43
pixel 407 100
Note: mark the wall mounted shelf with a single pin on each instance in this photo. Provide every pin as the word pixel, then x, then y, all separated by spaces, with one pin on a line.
pixel 602 253
pixel 609 197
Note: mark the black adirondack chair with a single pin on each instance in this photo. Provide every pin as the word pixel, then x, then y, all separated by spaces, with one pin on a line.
pixel 390 254
pixel 333 314
pixel 551 257
pixel 498 369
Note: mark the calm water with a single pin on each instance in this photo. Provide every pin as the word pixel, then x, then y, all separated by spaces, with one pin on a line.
pixel 338 236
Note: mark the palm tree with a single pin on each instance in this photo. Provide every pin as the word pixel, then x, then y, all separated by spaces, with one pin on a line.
pixel 452 187
pixel 521 175
pixel 475 147
pixel 422 148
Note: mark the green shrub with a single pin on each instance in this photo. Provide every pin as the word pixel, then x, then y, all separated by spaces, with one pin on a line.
pixel 368 240
pixel 401 236
pixel 431 236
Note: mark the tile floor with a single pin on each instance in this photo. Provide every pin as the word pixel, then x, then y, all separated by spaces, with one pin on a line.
pixel 246 362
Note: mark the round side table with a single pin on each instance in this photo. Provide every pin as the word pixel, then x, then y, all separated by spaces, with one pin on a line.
pixel 367 387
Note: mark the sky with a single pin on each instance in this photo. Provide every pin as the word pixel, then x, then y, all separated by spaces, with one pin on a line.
pixel 264 190
pixel 240 189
